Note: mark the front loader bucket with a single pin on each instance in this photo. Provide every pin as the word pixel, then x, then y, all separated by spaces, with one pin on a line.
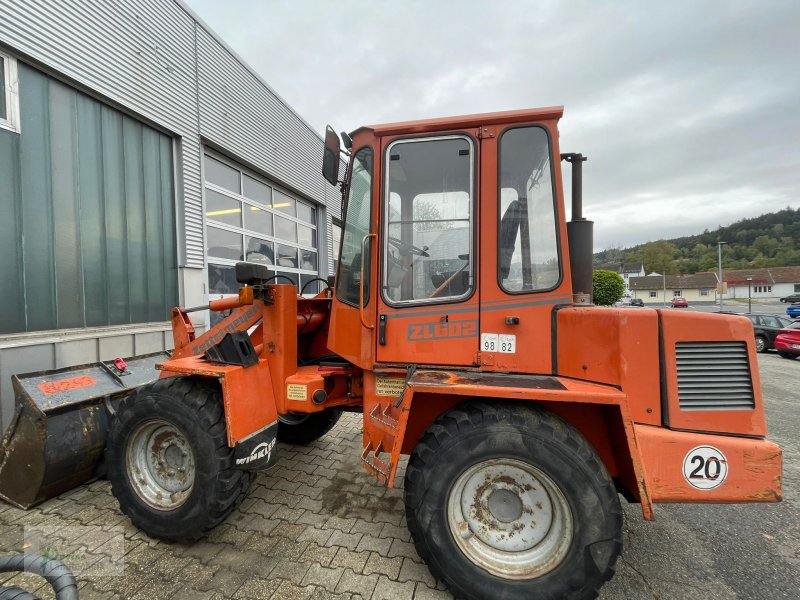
pixel 57 437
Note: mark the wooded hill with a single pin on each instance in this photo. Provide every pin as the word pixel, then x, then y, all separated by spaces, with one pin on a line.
pixel 771 240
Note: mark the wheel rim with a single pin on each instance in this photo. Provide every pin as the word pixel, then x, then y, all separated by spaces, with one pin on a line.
pixel 293 418
pixel 510 518
pixel 160 464
pixel 760 344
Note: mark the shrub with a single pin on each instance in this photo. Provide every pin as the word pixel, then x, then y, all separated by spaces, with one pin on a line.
pixel 607 287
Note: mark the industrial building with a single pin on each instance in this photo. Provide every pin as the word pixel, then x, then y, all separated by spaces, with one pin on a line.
pixel 140 158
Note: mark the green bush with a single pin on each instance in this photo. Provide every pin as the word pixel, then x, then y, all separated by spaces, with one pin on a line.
pixel 607 287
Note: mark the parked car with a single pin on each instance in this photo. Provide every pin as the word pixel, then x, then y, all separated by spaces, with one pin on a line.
pixel 766 328
pixel 679 302
pixel 637 302
pixel 793 311
pixel 787 342
pixel 791 298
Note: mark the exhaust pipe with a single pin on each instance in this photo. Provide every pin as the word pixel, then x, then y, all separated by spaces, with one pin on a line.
pixel 580 236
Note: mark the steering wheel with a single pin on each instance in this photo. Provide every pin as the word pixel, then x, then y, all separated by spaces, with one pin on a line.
pixel 406 248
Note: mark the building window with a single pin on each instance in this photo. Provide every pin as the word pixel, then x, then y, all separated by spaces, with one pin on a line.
pixel 248 218
pixel 9 93
pixel 704 292
pixel 797 287
pixel 88 234
pixel 652 294
pixel 677 293
pixel 769 289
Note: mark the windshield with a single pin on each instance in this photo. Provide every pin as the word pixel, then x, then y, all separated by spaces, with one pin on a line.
pixel 356 226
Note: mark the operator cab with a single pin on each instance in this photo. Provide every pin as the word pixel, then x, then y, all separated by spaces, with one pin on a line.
pixel 454 242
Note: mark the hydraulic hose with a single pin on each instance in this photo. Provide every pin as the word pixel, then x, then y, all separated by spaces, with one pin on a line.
pixel 54 571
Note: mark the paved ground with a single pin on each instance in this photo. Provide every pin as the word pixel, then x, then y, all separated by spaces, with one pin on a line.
pixel 318 527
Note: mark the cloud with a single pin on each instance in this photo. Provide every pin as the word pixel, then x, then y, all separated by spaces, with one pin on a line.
pixel 688 112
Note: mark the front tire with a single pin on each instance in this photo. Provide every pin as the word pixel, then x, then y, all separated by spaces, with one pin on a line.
pixel 788 355
pixel 508 500
pixel 761 344
pixel 169 462
pixel 304 428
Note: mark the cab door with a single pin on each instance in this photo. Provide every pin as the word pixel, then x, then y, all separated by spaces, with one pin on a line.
pixel 524 271
pixel 428 298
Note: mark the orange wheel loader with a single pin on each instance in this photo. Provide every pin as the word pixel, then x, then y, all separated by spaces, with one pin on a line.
pixel 460 325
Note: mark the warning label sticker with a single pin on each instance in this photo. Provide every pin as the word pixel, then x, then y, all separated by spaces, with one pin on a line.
pixel 389 386
pixel 296 391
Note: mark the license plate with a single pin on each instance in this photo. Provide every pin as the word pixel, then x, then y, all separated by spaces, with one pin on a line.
pixel 795 346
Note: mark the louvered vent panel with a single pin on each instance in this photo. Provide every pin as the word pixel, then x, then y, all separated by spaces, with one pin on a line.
pixel 714 376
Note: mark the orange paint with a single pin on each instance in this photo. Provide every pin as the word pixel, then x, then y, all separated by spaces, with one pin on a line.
pixel 64 385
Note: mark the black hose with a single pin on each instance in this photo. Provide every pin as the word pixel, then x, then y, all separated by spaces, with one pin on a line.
pixel 305 285
pixel 54 571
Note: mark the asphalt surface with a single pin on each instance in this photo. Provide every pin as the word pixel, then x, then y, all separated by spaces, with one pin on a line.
pixel 724 551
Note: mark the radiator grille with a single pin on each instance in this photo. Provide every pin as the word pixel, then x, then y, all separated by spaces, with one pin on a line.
pixel 714 376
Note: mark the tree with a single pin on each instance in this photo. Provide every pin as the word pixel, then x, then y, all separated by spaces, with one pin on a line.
pixel 607 287
pixel 657 256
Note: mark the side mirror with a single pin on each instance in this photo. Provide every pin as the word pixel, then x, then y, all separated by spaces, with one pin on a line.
pixel 330 160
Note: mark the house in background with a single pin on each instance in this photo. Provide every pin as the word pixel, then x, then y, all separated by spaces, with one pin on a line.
pixel 767 283
pixel 629 270
pixel 660 290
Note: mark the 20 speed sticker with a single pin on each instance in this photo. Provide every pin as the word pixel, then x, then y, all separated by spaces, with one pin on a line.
pixel 705 467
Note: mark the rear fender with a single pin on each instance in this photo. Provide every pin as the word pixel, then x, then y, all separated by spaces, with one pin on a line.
pixel 251 417
pixel 599 412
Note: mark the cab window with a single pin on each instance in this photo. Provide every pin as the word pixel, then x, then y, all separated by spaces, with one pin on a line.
pixel 356 226
pixel 528 242
pixel 428 207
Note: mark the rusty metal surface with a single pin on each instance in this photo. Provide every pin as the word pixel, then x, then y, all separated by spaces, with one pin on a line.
pixel 530 382
pixel 56 439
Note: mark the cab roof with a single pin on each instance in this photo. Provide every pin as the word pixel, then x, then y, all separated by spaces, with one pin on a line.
pixel 465 121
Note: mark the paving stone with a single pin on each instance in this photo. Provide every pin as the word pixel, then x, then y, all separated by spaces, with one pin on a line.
pixel 414 571
pixel 356 583
pixel 342 524
pixel 318 536
pixel 323 576
pixel 393 590
pixel 397 532
pixel 311 518
pixel 286 548
pixel 285 513
pixel 262 525
pixel 258 588
pixel 345 540
pixel 319 554
pixel 291 570
pixel 423 592
pixel 350 560
pixel 375 544
pixel 406 549
pixel 383 566
pixel 291 591
pixel 289 530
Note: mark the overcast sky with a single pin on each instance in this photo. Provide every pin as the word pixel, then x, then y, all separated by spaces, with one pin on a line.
pixel 689 112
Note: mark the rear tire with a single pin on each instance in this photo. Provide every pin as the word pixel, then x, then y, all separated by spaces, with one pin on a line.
pixel 301 429
pixel 169 462
pixel 761 343
pixel 484 473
